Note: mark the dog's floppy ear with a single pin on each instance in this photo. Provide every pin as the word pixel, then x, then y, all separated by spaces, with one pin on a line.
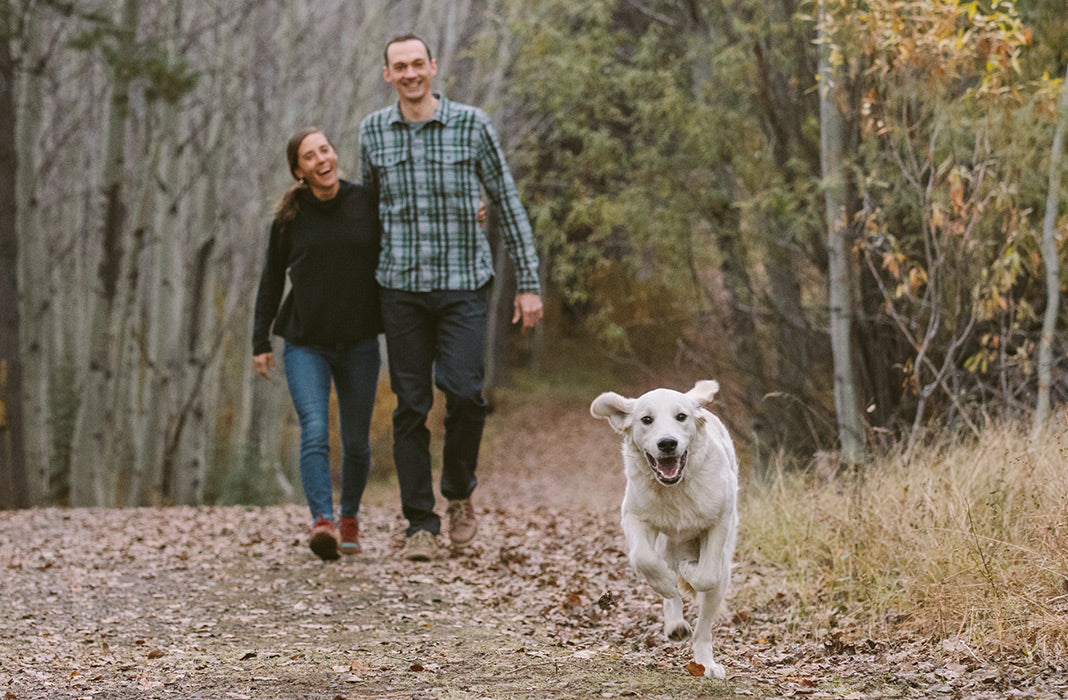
pixel 614 408
pixel 703 392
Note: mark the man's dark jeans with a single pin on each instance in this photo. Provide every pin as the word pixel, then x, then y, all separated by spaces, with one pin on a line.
pixel 435 338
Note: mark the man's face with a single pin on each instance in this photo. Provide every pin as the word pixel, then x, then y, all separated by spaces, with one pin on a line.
pixel 409 69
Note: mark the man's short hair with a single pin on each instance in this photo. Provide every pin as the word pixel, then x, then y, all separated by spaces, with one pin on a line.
pixel 406 37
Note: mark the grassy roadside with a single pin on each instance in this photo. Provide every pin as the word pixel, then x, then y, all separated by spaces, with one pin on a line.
pixel 968 541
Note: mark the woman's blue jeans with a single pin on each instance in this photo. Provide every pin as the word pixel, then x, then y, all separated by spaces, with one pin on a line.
pixel 353 370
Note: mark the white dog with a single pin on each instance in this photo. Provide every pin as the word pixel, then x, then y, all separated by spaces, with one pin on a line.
pixel 680 512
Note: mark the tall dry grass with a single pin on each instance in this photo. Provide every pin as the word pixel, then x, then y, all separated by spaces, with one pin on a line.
pixel 967 540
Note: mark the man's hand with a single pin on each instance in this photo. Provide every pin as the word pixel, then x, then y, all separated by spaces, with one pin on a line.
pixel 528 310
pixel 264 364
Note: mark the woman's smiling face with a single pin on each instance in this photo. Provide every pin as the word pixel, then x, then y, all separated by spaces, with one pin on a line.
pixel 317 165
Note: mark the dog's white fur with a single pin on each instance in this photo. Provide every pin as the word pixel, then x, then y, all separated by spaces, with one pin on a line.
pixel 680 513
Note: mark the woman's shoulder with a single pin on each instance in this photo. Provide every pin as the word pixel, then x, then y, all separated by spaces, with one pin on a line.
pixel 359 190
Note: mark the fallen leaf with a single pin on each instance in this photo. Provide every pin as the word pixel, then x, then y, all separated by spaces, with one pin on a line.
pixel 695 669
pixel 156 653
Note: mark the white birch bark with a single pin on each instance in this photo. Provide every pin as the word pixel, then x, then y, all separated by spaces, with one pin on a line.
pixel 1049 258
pixel 91 450
pixel 850 427
pixel 33 294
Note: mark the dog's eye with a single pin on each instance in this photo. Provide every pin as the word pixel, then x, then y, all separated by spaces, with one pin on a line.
pixel 681 417
pixel 647 420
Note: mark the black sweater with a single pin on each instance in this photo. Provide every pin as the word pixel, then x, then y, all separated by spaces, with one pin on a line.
pixel 330 251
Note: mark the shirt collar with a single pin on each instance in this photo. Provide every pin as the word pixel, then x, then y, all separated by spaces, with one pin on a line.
pixel 441 114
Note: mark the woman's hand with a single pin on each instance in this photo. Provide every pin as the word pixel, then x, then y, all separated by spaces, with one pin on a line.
pixel 264 364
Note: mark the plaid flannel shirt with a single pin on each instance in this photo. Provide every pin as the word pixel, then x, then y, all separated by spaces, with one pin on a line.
pixel 428 178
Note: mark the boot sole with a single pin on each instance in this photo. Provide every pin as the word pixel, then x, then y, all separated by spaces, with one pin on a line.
pixel 325 547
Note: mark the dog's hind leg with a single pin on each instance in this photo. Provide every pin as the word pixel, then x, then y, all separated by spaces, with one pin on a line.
pixel 675 626
pixel 702 639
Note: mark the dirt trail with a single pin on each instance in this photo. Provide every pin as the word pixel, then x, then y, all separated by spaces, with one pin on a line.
pixel 229 603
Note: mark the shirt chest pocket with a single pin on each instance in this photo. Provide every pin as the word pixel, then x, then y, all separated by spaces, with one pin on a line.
pixel 387 161
pixel 452 171
pixel 391 165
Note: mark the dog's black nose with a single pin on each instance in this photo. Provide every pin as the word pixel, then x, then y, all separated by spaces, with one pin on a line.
pixel 667 445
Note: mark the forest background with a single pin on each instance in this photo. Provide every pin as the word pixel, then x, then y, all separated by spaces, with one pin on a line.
pixel 848 212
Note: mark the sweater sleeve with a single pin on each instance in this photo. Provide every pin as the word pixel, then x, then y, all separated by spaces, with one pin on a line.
pixel 272 285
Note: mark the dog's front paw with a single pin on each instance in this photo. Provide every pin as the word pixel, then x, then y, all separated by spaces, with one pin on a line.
pixel 702 654
pixel 714 670
pixel 678 630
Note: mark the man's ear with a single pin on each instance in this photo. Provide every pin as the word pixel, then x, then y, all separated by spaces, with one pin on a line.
pixel 614 408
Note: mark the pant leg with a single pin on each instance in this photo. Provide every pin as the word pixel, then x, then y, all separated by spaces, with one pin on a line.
pixel 460 373
pixel 308 375
pixel 410 341
pixel 355 370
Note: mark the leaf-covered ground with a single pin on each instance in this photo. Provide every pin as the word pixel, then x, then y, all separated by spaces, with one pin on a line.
pixel 230 603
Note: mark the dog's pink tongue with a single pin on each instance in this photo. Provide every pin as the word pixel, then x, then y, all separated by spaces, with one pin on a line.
pixel 669 466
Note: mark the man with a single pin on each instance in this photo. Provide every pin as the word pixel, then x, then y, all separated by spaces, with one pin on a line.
pixel 429 158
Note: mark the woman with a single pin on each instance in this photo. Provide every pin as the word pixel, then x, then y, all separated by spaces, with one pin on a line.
pixel 325 235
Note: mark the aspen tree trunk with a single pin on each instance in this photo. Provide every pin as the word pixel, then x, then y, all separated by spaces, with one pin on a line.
pixel 490 72
pixel 850 429
pixel 203 326
pixel 63 266
pixel 454 17
pixel 258 409
pixel 91 443
pixel 1049 257
pixel 132 321
pixel 34 307
pixel 151 395
pixel 14 491
pixel 184 463
pixel 356 87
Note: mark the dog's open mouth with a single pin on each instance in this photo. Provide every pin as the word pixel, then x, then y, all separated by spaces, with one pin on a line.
pixel 668 470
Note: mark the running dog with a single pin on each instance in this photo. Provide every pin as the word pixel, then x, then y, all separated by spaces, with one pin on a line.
pixel 680 513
